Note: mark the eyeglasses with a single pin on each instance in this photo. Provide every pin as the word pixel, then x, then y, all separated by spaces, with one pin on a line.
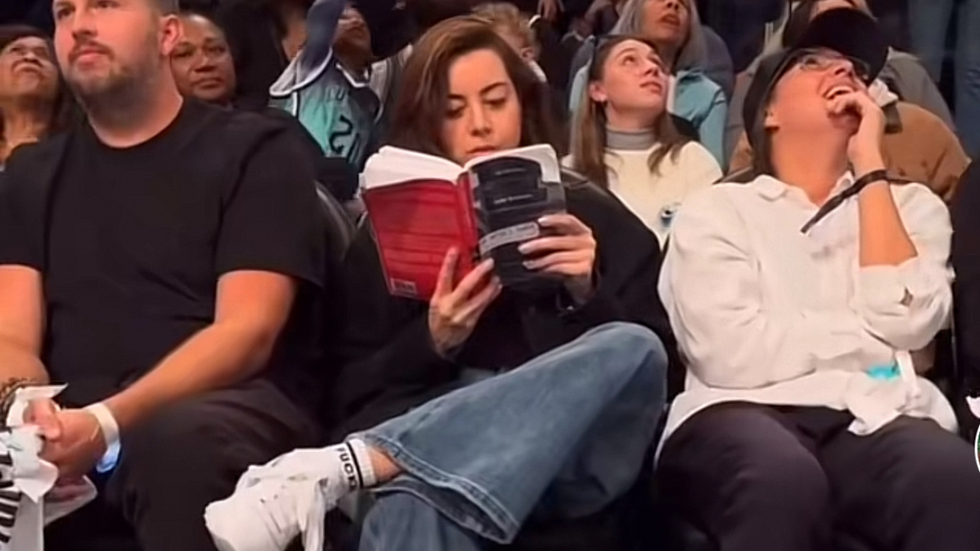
pixel 822 60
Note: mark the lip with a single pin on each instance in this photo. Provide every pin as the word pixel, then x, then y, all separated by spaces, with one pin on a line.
pixel 482 150
pixel 671 19
pixel 652 86
pixel 86 54
pixel 210 82
pixel 28 67
pixel 838 82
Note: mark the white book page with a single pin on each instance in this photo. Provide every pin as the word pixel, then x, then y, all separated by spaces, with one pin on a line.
pixel 542 154
pixel 392 165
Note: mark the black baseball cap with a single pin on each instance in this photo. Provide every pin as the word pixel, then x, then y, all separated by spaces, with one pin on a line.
pixel 847 31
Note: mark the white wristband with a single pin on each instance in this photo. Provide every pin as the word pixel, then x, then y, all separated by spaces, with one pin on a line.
pixel 110 432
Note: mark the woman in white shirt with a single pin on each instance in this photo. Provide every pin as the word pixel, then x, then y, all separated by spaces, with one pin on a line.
pixel 795 300
pixel 624 138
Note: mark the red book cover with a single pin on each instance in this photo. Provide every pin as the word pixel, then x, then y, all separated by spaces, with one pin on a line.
pixel 419 207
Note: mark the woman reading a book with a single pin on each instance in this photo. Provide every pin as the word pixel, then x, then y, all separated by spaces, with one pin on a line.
pixel 470 411
pixel 625 140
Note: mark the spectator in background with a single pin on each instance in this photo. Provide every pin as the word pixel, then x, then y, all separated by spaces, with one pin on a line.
pixel 674 26
pixel 796 299
pixel 929 23
pixel 492 403
pixel 515 29
pixel 202 63
pixel 625 141
pixel 917 145
pixel 33 100
pixel 902 72
pixel 265 35
pixel 328 90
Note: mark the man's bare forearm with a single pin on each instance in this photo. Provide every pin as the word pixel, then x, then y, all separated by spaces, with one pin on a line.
pixel 17 361
pixel 216 357
pixel 883 238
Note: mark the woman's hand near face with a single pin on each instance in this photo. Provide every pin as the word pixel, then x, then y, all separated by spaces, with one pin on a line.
pixel 455 310
pixel 569 254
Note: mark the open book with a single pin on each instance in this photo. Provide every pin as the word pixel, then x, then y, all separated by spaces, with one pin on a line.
pixel 420 206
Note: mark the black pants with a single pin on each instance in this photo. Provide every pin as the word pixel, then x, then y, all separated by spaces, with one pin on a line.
pixel 759 478
pixel 176 463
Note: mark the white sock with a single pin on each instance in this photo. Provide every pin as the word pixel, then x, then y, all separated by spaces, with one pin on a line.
pixel 356 464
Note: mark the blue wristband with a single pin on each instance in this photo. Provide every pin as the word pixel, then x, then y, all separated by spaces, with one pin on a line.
pixel 884 372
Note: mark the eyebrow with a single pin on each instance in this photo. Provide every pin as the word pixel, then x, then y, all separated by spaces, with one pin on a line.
pixel 636 49
pixel 485 90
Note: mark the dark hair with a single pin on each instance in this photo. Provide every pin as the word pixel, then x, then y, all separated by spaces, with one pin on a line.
pixel 589 135
pixel 429 13
pixel 420 108
pixel 63 110
pixel 799 19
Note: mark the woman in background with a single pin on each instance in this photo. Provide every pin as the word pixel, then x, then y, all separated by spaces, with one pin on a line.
pixel 625 140
pixel 696 90
pixel 33 100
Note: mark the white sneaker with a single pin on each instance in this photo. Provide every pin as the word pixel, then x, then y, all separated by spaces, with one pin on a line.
pixel 269 516
pixel 275 503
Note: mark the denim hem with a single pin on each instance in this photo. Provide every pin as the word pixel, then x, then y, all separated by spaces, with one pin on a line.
pixel 502 526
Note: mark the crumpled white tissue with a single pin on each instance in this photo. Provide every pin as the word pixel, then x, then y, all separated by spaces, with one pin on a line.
pixel 35 477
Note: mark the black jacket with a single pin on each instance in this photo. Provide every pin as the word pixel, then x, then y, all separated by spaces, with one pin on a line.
pixel 390 366
pixel 965 255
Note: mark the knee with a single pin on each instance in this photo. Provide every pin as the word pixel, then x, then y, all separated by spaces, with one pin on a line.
pixel 641 355
pixel 787 483
pixel 940 478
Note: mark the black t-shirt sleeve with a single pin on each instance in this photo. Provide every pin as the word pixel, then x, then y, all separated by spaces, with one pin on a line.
pixel 272 219
pixel 21 219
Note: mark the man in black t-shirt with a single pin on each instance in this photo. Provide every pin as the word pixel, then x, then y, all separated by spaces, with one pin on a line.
pixel 158 260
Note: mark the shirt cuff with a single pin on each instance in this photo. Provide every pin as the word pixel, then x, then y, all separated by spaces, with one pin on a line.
pixel 889 288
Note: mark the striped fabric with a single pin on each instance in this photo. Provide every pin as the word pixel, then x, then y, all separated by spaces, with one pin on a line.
pixel 9 499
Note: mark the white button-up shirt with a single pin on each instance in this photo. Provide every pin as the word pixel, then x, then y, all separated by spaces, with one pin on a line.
pixel 767 314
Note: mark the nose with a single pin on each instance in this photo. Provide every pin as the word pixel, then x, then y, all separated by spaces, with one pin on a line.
pixel 479 122
pixel 81 26
pixel 673 4
pixel 203 63
pixel 650 67
pixel 843 67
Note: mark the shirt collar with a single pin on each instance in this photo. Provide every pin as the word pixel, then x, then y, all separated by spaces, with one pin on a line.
pixel 772 189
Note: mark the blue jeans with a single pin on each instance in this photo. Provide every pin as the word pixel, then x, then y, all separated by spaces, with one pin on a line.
pixel 562 436
pixel 929 23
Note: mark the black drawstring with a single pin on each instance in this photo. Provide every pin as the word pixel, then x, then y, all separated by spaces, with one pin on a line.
pixel 851 191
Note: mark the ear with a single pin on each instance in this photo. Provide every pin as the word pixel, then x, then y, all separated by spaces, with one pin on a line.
pixel 597 93
pixel 770 120
pixel 171 30
pixel 528 55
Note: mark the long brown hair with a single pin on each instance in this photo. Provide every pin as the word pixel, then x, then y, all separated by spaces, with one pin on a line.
pixel 420 109
pixel 589 135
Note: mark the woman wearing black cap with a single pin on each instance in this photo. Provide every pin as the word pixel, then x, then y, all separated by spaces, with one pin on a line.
pixel 902 72
pixel 33 102
pixel 796 299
